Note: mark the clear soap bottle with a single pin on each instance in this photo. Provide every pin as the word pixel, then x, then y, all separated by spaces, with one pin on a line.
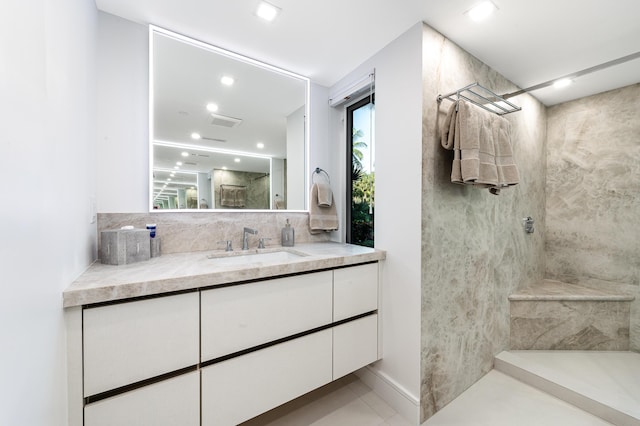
pixel 288 235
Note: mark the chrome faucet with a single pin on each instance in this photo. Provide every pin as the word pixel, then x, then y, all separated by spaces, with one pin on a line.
pixel 245 237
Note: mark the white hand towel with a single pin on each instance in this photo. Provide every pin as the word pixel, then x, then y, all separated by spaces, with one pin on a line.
pixel 321 219
pixel 325 196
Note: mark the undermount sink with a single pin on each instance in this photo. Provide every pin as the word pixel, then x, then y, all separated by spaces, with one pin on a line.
pixel 263 256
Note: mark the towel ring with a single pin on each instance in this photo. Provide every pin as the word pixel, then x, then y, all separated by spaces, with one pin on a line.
pixel 317 171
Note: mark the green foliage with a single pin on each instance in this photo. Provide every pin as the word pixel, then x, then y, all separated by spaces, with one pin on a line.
pixel 357 155
pixel 362 196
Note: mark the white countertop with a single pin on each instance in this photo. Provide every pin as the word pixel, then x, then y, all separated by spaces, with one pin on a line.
pixel 186 271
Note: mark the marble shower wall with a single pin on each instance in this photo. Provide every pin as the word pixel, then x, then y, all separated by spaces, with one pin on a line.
pixel 474 248
pixel 196 231
pixel 593 194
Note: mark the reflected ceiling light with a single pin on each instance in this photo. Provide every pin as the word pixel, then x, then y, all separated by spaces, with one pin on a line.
pixel 172 174
pixel 168 179
pixel 260 145
pixel 211 107
pixel 481 11
pixel 195 135
pixel 563 82
pixel 178 163
pixel 176 167
pixel 227 80
pixel 237 160
pixel 224 167
pixel 184 154
pixel 267 11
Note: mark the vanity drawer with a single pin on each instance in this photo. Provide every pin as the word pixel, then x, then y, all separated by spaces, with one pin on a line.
pixel 355 344
pixel 171 402
pixel 128 342
pixel 243 316
pixel 355 291
pixel 241 388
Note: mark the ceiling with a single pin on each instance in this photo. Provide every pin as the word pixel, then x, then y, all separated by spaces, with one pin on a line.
pixel 529 42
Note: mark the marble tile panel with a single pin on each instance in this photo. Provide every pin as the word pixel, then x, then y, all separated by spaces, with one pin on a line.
pixel 593 193
pixel 475 252
pixel 196 231
pixel 557 290
pixel 188 271
pixel 570 325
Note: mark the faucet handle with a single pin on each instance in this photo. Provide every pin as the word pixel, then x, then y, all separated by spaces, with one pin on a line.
pixel 261 242
pixel 229 247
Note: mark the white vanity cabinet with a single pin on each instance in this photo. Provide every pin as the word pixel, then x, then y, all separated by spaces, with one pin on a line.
pixel 355 293
pixel 222 355
pixel 243 316
pixel 170 402
pixel 241 388
pixel 355 290
pixel 125 343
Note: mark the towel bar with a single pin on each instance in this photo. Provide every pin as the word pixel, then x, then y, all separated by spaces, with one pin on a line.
pixel 317 171
pixel 487 100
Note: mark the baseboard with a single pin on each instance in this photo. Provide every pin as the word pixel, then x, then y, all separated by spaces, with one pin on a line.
pixel 406 404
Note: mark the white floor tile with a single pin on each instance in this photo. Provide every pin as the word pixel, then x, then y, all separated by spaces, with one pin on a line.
pixel 499 400
pixel 612 378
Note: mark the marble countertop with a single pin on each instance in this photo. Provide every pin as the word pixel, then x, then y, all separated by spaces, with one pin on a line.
pixel 186 271
pixel 557 290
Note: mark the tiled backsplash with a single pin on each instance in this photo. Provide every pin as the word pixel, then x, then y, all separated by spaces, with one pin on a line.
pixel 197 231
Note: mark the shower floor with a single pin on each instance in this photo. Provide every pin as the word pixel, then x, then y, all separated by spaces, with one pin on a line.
pixel 604 383
pixel 551 388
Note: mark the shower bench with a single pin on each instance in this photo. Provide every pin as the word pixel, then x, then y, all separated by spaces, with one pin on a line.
pixel 554 315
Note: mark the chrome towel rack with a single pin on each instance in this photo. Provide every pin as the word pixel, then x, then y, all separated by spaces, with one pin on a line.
pixel 482 97
pixel 317 172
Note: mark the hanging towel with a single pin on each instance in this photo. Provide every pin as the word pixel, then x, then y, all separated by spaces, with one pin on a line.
pixel 321 219
pixel 227 196
pixel 325 196
pixel 233 196
pixel 241 196
pixel 481 142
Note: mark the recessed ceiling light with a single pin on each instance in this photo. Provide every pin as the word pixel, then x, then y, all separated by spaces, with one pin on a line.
pixel 260 145
pixel 168 179
pixel 178 163
pixel 195 135
pixel 176 167
pixel 227 80
pixel 211 107
pixel 172 174
pixel 481 11
pixel 237 160
pixel 184 154
pixel 267 11
pixel 563 82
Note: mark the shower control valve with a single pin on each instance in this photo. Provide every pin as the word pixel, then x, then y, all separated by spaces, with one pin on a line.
pixel 528 224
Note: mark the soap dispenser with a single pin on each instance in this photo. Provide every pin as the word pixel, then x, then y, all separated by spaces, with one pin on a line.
pixel 288 235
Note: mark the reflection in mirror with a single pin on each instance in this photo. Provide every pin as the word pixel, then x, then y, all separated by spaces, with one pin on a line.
pixel 226 132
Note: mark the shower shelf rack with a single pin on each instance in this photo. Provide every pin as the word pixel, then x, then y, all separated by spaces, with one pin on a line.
pixel 482 97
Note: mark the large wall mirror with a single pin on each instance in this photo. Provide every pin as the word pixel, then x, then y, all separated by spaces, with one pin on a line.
pixel 226 132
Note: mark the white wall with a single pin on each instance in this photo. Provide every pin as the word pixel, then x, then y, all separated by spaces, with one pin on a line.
pixel 296 159
pixel 398 133
pixel 123 115
pixel 47 87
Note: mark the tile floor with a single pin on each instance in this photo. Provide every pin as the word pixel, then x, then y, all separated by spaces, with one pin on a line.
pixel 345 402
pixel 613 378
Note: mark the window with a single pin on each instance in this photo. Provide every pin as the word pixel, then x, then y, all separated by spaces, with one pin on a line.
pixel 361 169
